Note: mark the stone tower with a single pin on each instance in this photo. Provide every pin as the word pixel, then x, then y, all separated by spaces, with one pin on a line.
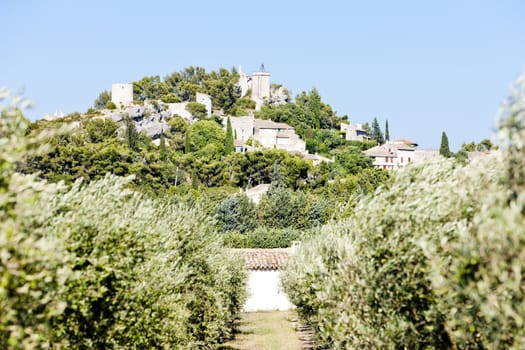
pixel 245 82
pixel 122 94
pixel 260 87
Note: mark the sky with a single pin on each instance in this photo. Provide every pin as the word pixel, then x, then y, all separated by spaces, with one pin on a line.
pixel 425 66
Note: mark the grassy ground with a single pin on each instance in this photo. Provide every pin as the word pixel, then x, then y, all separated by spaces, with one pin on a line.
pixel 265 331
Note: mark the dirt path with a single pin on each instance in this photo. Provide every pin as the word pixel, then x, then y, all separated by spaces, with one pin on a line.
pixel 275 330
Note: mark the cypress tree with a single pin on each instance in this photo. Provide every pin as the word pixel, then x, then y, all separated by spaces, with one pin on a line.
pixel 187 144
pixel 229 147
pixel 387 132
pixel 130 134
pixel 444 149
pixel 162 147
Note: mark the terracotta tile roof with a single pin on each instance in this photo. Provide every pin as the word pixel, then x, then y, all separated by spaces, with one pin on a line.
pixel 405 141
pixel 388 150
pixel 264 259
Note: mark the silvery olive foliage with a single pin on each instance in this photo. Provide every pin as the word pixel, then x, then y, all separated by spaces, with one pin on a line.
pixel 100 266
pixel 435 259
pixel 32 266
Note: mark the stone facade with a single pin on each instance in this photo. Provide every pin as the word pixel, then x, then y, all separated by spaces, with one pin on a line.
pixel 266 133
pixel 122 94
pixel 354 132
pixel 205 100
pixel 245 82
pixel 179 109
pixel 259 83
pixel 260 88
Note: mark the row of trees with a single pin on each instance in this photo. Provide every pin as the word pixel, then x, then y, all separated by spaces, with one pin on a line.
pixel 483 146
pixel 433 260
pixel 99 266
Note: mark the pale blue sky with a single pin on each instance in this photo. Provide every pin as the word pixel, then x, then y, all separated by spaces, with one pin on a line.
pixel 425 66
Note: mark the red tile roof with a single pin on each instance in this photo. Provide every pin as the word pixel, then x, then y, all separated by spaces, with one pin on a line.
pixel 405 141
pixel 265 259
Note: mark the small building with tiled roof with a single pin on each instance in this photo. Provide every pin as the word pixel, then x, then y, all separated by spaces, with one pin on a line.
pixel 264 275
pixel 266 133
pixel 399 153
pixel 392 155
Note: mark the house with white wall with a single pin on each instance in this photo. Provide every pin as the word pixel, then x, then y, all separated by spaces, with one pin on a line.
pixel 264 276
pixel 393 154
pixel 399 153
pixel 266 133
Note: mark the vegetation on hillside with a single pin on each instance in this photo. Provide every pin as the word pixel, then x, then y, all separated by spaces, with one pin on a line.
pixel 97 265
pixel 195 163
pixel 434 259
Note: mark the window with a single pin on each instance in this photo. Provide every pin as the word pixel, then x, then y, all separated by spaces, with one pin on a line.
pixel 409 159
pixel 401 159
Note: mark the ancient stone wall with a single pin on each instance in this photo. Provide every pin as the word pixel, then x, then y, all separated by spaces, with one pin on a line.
pixel 122 94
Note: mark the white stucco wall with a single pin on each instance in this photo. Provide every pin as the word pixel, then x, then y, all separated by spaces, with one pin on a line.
pixel 265 293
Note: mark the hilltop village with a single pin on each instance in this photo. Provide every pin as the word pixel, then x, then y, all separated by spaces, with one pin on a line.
pixel 156 217
pixel 252 133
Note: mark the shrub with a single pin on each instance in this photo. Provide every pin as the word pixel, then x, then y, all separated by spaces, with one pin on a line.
pixel 110 105
pixel 433 260
pixel 263 237
pixel 32 266
pixel 101 266
pixel 237 213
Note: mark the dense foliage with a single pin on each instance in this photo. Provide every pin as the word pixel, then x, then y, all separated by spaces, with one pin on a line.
pixel 183 86
pixel 194 160
pixel 101 266
pixel 434 260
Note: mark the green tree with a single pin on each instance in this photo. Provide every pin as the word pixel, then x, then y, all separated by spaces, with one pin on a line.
pixel 376 133
pixel 197 110
pixel 163 150
pixel 229 146
pixel 110 105
pixel 387 132
pixel 150 88
pixel 237 213
pixel 101 101
pixel 485 145
pixel 444 149
pixel 131 135
pixel 100 130
pixel 205 132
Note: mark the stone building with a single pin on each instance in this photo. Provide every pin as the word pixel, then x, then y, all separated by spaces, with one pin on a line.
pixel 354 132
pixel 258 83
pixel 122 94
pixel 399 153
pixel 393 154
pixel 205 100
pixel 266 133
